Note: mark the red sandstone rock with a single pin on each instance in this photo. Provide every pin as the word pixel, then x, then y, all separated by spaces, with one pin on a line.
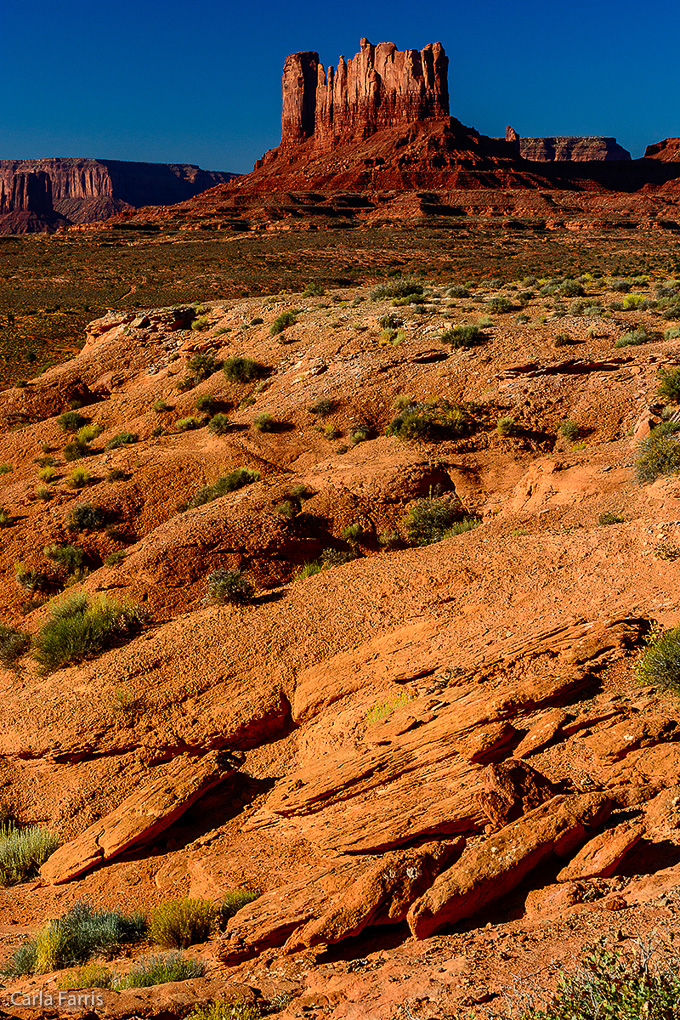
pixel 667 150
pixel 541 733
pixel 576 148
pixel 600 857
pixel 491 869
pixel 512 788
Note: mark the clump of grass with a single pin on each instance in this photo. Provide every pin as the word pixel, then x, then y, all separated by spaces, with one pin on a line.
pixel 158 970
pixel 463 335
pixel 669 385
pixel 219 424
pixel 121 439
pixel 359 433
pixel 329 558
pixel 264 422
pixel 200 323
pixel 5 469
pixel 114 558
pixel 633 338
pixel 236 479
pixel 659 453
pixel 90 975
pixel 499 305
pixel 47 474
pixel 43 493
pixel 229 586
pixel 71 421
pixel 85 517
pixel 186 424
pixel 609 518
pixel 506 425
pixel 234 901
pixel 422 421
pixel 88 432
pixel 22 851
pixel 227 1009
pixel 283 321
pixel 79 477
pixel 353 533
pixel 322 408
pixel 385 708
pixel 74 938
pixel 402 287
pixel 429 520
pixel 6 517
pixel 77 630
pixel 207 404
pixel 33 579
pixel 313 289
pixel 632 301
pixel 75 449
pixel 182 922
pixel 161 405
pixel 240 369
pixel 568 429
pixel 13 644
pixel 571 288
pixel 460 527
pixel 115 475
pixel 71 558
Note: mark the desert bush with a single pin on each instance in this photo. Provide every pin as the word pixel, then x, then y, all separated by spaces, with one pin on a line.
pixel 5 469
pixel 233 902
pixel 313 289
pixel 219 424
pixel 432 421
pixel 114 558
pixel 74 938
pixel 429 519
pixel 671 334
pixel 47 474
pixel 77 630
pixel 33 579
pixel 287 508
pixel 236 479
pixel 75 449
pixel 122 439
pixel 187 424
pixel 359 433
pixel 181 922
pixel 621 286
pixel 158 970
pixel 229 586
pixel 240 369
pixel 633 338
pixel 43 493
pixel 632 301
pixel 115 475
pixel 71 558
pixel 460 527
pixel 200 323
pixel 463 335
pixel 390 321
pixel 499 304
pixel 79 477
pixel 659 453
pixel 88 432
pixel 22 851
pixel 207 404
pixel 6 517
pixel 71 421
pixel 669 385
pixel 85 517
pixel 13 644
pixel 506 425
pixel 90 975
pixel 568 429
pixel 458 291
pixel 659 663
pixel 329 558
pixel 322 408
pixel 227 1009
pixel 571 288
pixel 264 422
pixel 161 405
pixel 403 287
pixel 609 518
pixel 353 533
pixel 283 321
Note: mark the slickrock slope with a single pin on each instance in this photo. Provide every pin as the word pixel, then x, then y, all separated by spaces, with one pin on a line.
pixel 43 193
pixel 435 762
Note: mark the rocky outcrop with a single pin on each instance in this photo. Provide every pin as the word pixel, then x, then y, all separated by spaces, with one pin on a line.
pixel 380 87
pixel 668 150
pixel 576 148
pixel 85 190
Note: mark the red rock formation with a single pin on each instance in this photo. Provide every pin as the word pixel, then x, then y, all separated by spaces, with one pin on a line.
pixel 380 87
pixel 667 150
pixel 26 192
pixel 575 148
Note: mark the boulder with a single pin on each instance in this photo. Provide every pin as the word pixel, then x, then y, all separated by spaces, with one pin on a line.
pixel 512 788
pixel 488 871
pixel 142 816
pixel 600 856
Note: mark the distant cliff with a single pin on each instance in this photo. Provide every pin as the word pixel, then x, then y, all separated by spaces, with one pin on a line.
pixel 40 194
pixel 576 148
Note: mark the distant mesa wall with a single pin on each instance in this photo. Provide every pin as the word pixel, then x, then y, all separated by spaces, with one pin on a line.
pixel 668 150
pixel 574 148
pixel 62 190
pixel 380 87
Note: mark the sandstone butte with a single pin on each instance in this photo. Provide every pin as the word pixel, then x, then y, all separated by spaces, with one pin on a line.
pixel 433 766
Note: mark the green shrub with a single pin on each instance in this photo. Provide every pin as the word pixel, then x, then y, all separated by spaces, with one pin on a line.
pixel 200 323
pixel 47 474
pixel 6 517
pixel 389 539
pixel 161 405
pixel 287 508
pixel 329 558
pixel 463 335
pixel 458 291
pixel 359 433
pixel 256 321
pixel 659 453
pixel 88 432
pixel 621 286
pixel 571 288
pixel 264 422
pixel 90 975
pixel 229 586
pixel 429 520
pixel 122 439
pixel 283 321
pixel 207 404
pixel 236 479
pixel 400 288
pixel 609 518
pixel 385 708
pixel 158 970
pixel 76 449
pixel 186 424
pixel 114 558
pixel 233 902
pixel 33 579
pixel 431 421
pixel 22 851
pixel 240 369
pixel 633 301
pixel 74 938
pixel 182 922
pixel 219 424
pixel 227 1009
pixel 70 557
pixel 76 630
pixel 79 477
pixel 569 429
pixel 115 475
pixel 499 305
pixel 5 469
pixel 322 408
pixel 71 421
pixel 671 334
pixel 313 290
pixel 43 493
pixel 659 663
pixel 506 425
pixel 633 338
pixel 353 533
pixel 308 569
pixel 85 517
pixel 13 644
pixel 460 527
pixel 669 385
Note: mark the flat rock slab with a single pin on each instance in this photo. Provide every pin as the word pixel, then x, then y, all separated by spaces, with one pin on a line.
pixel 490 870
pixel 142 816
pixel 601 855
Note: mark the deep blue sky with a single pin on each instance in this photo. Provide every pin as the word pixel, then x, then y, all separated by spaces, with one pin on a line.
pixel 199 82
